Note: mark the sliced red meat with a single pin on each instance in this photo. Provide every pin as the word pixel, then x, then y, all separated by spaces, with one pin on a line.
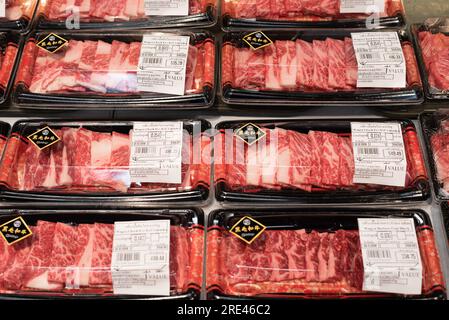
pixel 286 53
pixel 38 259
pixel 337 63
pixel 272 70
pixel 320 65
pixel 312 262
pixel 330 159
pixel 304 56
pixel 100 272
pixel 346 165
pixel 351 64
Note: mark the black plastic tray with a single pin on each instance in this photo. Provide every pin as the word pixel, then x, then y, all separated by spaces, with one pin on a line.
pixel 430 124
pixel 318 219
pixel 419 191
pixel 434 28
pixel 7 39
pixel 200 20
pixel 23 128
pixel 181 217
pixel 360 97
pixel 230 23
pixel 24 99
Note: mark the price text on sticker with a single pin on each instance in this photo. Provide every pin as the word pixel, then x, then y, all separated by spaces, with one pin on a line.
pixel 391 258
pixel 379 153
pixel 362 6
pixel 162 64
pixel 166 8
pixel 156 152
pixel 140 258
pixel 381 62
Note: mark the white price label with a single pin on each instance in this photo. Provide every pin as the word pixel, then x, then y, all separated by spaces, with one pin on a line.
pixel 391 257
pixel 166 7
pixel 2 9
pixel 140 258
pixel 379 153
pixel 162 64
pixel 362 6
pixel 380 59
pixel 156 152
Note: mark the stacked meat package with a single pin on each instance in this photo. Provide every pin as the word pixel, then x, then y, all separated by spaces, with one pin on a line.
pixel 232 149
pixel 17 14
pixel 71 253
pixel 102 70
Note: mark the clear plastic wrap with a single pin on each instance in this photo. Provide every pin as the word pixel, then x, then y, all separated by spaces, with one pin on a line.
pixel 305 13
pixel 104 15
pixel 435 127
pixel 93 160
pixel 9 47
pixel 307 253
pixel 432 50
pixel 100 70
pixel 18 14
pixel 69 253
pixel 307 67
pixel 305 161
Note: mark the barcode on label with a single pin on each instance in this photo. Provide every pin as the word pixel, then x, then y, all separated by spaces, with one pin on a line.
pixel 379 254
pixel 145 150
pixel 370 56
pixel 368 151
pixel 128 256
pixel 152 60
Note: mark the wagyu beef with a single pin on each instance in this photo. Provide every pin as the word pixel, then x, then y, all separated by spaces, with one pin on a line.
pixel 312 161
pixel 328 65
pixel 61 258
pixel 95 161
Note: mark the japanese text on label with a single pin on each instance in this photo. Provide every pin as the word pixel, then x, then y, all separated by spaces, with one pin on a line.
pixel 380 60
pixel 166 7
pixel 156 152
pixel 362 6
pixel 140 258
pixel 162 64
pixel 379 153
pixel 391 258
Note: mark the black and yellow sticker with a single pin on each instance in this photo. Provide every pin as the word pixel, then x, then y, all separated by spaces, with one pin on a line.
pixel 15 230
pixel 247 229
pixel 52 43
pixel 250 133
pixel 257 40
pixel 43 138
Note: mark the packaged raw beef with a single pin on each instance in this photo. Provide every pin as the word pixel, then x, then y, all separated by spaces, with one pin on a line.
pixel 107 161
pixel 67 253
pixel 9 46
pixel 17 14
pixel 313 161
pixel 308 254
pixel 432 46
pixel 81 70
pixel 237 14
pixel 436 132
pixel 130 14
pixel 311 67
